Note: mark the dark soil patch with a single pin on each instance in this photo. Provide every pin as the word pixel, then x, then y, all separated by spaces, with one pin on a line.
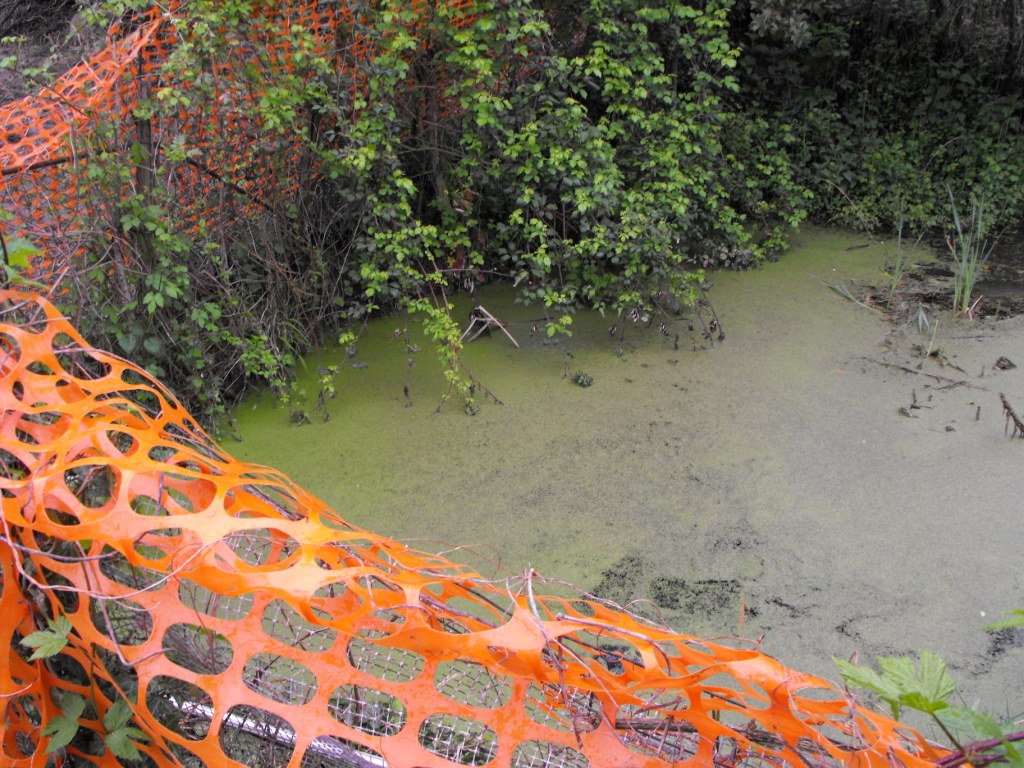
pixel 928 288
pixel 41 46
pixel 35 19
pixel 1002 640
pixel 623 582
pixel 1002 282
pixel 706 598
pixel 630 582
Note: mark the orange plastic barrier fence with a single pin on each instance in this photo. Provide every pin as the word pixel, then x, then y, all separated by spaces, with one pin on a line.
pixel 39 145
pixel 238 167
pixel 245 623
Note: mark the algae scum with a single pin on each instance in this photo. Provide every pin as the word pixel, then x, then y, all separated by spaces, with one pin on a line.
pixel 761 485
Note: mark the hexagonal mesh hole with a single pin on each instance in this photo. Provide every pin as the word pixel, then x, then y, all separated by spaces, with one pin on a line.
pixel 124 620
pixel 368 710
pixel 563 709
pixel 213 604
pixel 279 678
pixel 392 664
pixel 458 739
pixel 181 707
pixel 253 736
pixel 468 682
pixel 545 754
pixel 198 649
pixel 282 622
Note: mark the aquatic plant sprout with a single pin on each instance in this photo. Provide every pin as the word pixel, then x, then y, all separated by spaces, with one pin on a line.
pixel 970 250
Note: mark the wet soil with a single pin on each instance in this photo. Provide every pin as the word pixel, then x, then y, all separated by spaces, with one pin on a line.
pixel 816 479
pixel 927 282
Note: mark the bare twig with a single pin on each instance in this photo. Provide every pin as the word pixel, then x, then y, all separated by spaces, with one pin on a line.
pixel 1011 417
pixel 936 376
pixel 486 321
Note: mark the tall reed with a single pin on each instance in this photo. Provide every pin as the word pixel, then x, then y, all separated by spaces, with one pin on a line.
pixel 970 251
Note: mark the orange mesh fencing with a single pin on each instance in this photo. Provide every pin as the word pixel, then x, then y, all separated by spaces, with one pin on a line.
pixel 39 145
pixel 246 623
pixel 238 167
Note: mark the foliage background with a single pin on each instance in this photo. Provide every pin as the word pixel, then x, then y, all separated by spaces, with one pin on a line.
pixel 598 153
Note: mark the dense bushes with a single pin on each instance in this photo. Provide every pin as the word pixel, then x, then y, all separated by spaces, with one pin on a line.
pixel 595 152
pixel 891 105
pixel 591 152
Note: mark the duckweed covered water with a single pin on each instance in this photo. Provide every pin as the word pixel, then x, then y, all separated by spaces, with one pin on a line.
pixel 762 484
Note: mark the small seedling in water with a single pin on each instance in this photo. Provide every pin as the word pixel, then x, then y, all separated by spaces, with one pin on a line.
pixel 932 350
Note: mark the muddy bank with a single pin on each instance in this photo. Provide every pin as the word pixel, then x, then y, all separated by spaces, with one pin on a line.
pixel 776 483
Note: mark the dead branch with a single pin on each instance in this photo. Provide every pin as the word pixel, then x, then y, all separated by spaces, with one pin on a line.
pixel 936 376
pixel 486 321
pixel 1011 417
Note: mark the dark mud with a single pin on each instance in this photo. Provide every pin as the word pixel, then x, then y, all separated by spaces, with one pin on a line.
pixel 634 582
pixel 926 284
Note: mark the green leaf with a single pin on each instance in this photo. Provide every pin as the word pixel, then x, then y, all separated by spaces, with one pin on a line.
pixel 925 690
pixel 62 729
pixel 862 677
pixel 49 642
pixel 971 725
pixel 1017 620
pixel 902 685
pixel 18 251
pixel 118 715
pixel 122 743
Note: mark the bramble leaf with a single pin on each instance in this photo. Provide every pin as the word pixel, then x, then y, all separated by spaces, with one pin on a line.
pixel 18 251
pixel 970 726
pixel 117 716
pixel 49 642
pixel 902 685
pixel 863 677
pixel 121 737
pixel 122 742
pixel 62 729
pixel 925 690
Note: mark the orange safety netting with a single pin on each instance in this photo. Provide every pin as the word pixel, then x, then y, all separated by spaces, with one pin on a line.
pixel 237 165
pixel 247 623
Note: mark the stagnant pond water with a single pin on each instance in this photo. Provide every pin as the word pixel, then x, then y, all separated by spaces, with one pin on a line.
pixel 780 482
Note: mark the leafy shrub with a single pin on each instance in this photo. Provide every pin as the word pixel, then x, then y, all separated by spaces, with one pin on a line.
pixel 592 152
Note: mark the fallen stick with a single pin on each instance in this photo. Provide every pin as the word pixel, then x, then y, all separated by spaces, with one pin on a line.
pixel 1011 417
pixel 486 320
pixel 1008 412
pixel 936 376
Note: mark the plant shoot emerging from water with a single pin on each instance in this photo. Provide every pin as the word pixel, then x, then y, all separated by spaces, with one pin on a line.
pixel 970 250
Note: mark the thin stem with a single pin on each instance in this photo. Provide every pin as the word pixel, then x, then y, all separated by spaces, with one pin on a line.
pixel 966 753
pixel 952 739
